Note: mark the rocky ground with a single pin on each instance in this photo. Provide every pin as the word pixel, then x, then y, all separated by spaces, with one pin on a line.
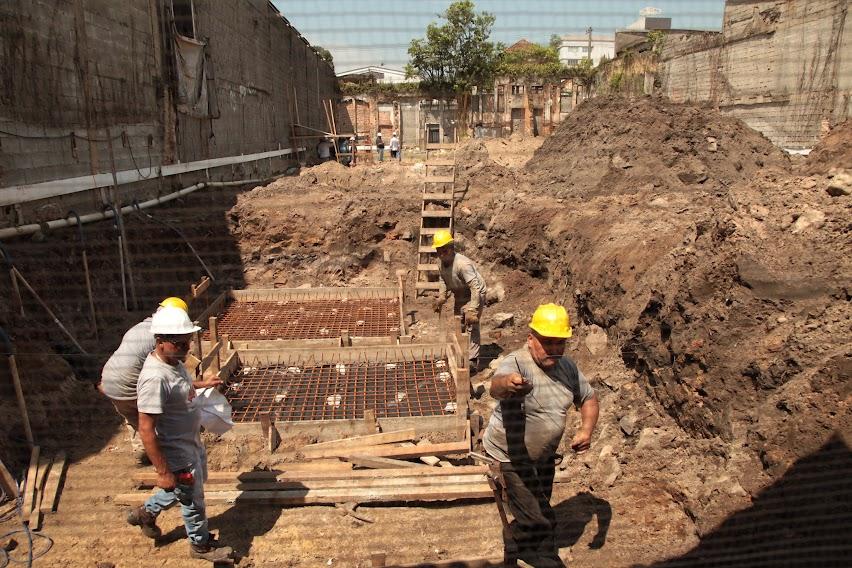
pixel 707 276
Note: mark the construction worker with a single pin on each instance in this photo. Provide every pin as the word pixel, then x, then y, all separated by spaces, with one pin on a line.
pixel 170 429
pixel 535 386
pixel 467 286
pixel 121 371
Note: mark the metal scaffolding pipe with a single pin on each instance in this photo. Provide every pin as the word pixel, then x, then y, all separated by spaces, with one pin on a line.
pixel 109 214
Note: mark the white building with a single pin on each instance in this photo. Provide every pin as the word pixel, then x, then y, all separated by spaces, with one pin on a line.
pixel 377 73
pixel 576 47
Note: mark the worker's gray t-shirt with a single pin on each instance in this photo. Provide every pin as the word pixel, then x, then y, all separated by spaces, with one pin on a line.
pixel 118 379
pixel 461 277
pixel 535 422
pixel 165 391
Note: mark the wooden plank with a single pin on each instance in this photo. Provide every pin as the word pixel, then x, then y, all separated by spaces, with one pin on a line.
pixel 377 462
pixel 410 470
pixel 211 356
pixel 50 502
pixel 429 267
pixel 440 179
pixel 438 196
pixel 356 483
pixel 437 162
pixel 32 474
pixel 462 447
pixel 428 285
pixel 38 493
pixel 7 482
pixel 368 440
pixel 319 496
pixel 196 290
pixel 437 214
pixel 229 367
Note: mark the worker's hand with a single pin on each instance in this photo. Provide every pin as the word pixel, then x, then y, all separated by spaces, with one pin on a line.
pixel 207 380
pixel 439 304
pixel 166 480
pixel 582 441
pixel 509 386
pixel 471 317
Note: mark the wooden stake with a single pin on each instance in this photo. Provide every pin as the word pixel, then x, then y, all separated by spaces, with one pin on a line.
pixel 22 403
pixel 50 501
pixel 7 482
pixel 43 469
pixel 214 338
pixel 29 488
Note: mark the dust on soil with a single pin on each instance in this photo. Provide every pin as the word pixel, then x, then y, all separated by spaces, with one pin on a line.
pixel 707 281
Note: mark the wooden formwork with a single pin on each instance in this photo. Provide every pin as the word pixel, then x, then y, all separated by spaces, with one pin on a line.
pixel 454 353
pixel 346 337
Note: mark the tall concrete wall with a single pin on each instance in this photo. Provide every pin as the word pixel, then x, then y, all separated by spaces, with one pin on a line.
pixel 74 68
pixel 782 66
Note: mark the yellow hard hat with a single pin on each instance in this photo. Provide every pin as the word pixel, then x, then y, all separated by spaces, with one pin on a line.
pixel 550 320
pixel 441 238
pixel 174 302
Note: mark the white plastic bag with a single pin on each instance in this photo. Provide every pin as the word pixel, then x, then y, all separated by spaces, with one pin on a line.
pixel 215 410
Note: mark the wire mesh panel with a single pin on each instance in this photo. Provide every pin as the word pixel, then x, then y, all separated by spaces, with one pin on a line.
pixel 343 390
pixel 313 319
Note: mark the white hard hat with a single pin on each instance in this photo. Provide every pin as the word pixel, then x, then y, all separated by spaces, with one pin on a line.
pixel 394 133
pixel 172 321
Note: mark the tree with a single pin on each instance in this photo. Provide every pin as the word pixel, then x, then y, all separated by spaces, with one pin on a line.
pixel 325 55
pixel 583 74
pixel 531 61
pixel 455 56
pixel 555 42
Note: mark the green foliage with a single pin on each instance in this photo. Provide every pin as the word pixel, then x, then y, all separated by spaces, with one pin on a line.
pixel 615 80
pixel 657 39
pixel 325 55
pixel 387 89
pixel 555 42
pixel 583 73
pixel 455 56
pixel 532 61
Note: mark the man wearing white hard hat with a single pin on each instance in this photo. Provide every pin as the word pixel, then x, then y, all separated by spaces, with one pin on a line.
pixel 121 373
pixel 170 430
pixel 536 386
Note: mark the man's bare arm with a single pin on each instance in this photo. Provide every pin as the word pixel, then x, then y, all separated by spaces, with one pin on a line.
pixel 148 434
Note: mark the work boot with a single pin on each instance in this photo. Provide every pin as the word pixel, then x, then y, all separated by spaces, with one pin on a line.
pixel 212 551
pixel 140 517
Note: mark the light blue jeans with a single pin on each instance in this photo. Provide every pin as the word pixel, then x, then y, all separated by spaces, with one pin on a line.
pixel 381 154
pixel 192 507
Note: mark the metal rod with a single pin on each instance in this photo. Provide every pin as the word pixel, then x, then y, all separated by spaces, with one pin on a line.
pixel 7 259
pixel 120 218
pixel 86 271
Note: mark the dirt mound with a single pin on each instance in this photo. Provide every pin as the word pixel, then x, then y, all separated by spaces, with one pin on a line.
pixel 835 150
pixel 615 145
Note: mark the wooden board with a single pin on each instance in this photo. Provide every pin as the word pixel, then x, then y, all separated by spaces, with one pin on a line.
pixel 50 502
pixel 357 483
pixel 32 473
pixel 319 496
pixel 368 440
pixel 416 470
pixel 38 493
pixel 377 462
pixel 7 482
pixel 397 452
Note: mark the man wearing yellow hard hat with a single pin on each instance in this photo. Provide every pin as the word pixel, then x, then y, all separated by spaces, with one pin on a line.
pixel 467 286
pixel 535 387
pixel 121 373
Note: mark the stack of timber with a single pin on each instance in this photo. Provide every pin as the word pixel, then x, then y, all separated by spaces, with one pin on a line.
pixel 384 475
pixel 42 487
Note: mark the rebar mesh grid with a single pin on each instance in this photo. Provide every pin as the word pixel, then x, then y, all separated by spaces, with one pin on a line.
pixel 314 319
pixel 343 391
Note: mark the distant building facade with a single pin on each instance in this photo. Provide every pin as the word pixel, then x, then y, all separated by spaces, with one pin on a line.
pixel 374 74
pixel 575 48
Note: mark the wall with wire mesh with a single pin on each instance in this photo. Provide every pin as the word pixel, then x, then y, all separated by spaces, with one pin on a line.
pixel 92 87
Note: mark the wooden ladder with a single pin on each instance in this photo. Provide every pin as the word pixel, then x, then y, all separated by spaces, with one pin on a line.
pixel 437 211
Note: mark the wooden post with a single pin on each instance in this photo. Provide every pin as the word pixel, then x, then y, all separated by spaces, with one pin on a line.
pixel 22 404
pixel 29 489
pixel 7 482
pixel 214 338
pixel 378 559
pixel 197 339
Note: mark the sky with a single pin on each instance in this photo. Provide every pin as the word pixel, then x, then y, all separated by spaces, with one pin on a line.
pixel 361 33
